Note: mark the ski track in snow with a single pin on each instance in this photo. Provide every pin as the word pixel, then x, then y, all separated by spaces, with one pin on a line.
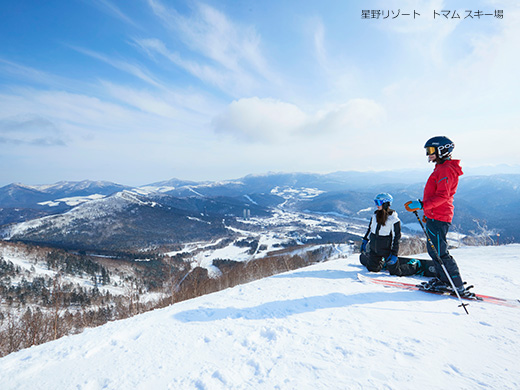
pixel 312 328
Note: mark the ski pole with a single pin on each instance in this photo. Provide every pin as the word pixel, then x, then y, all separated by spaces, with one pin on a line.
pixel 439 260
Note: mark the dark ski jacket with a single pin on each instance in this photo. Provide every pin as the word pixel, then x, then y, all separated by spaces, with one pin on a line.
pixel 384 239
pixel 440 189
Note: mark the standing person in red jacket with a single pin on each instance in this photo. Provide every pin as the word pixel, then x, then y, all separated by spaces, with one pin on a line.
pixel 438 208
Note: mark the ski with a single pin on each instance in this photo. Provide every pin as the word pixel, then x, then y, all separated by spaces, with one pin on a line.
pixel 414 287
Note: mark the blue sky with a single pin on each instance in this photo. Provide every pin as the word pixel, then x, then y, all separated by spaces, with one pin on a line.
pixel 139 91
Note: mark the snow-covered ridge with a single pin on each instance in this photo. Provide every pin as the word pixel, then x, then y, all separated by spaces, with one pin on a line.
pixel 72 201
pixel 135 198
pixel 312 328
pixel 77 185
pixel 147 190
pixel 220 183
pixel 95 209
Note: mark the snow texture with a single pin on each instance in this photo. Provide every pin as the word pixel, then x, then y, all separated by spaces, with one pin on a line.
pixel 313 328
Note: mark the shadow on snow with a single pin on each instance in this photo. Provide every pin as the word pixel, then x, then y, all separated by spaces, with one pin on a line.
pixel 284 309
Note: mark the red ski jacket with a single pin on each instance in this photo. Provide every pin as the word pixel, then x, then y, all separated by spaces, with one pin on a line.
pixel 440 189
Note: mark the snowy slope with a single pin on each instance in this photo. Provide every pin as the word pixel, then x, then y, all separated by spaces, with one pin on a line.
pixel 34 267
pixel 313 328
pixel 72 201
pixel 97 209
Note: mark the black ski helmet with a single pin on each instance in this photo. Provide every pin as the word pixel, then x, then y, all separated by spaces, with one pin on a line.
pixel 443 146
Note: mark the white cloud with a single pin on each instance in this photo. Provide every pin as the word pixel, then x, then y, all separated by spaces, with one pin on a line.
pixel 270 120
pixel 260 119
pixel 356 114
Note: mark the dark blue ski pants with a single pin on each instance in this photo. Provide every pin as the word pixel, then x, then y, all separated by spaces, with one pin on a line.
pixel 437 231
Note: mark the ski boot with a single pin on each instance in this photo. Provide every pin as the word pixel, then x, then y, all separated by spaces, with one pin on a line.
pixel 465 293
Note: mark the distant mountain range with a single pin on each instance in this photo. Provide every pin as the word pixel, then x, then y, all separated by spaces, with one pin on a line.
pixel 91 214
pixel 124 220
pixel 20 195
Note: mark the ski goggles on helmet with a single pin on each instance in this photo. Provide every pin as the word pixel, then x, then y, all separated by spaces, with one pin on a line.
pixel 430 150
pixel 380 202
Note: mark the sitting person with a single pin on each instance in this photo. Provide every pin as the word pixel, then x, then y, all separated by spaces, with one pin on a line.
pixel 380 245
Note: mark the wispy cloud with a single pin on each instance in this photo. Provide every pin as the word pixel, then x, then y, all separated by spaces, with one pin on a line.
pixel 25 123
pixel 231 51
pixel 338 74
pixel 31 75
pixel 136 70
pixel 182 106
pixel 47 141
pixel 113 10
pixel 126 112
pixel 222 79
pixel 63 109
pixel 319 44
